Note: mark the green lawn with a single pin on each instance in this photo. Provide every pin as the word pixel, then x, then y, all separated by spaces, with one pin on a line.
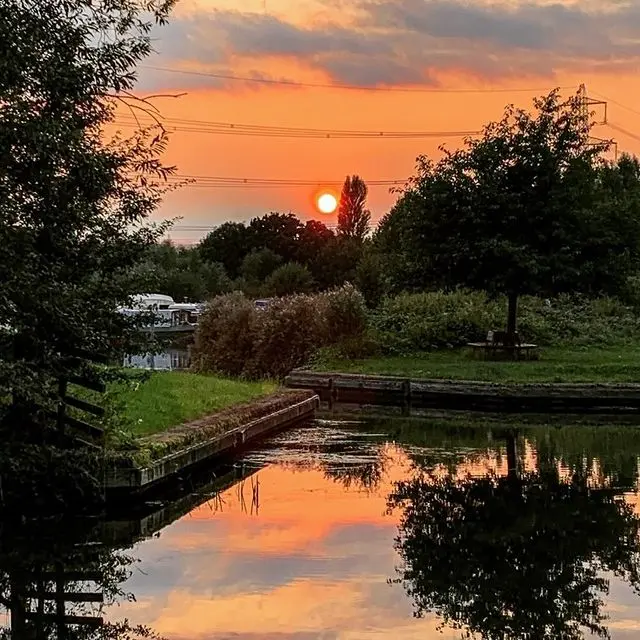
pixel 556 364
pixel 170 398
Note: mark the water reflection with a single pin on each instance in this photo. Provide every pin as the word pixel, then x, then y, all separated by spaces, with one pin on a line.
pixel 170 360
pixel 56 581
pixel 344 530
pixel 519 556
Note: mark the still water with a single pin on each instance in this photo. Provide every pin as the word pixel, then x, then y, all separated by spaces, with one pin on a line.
pixel 364 530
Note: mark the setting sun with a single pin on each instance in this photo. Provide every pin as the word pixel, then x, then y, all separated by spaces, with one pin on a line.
pixel 327 203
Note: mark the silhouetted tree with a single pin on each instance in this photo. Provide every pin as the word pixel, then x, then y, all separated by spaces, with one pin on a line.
pixel 514 557
pixel 520 210
pixel 279 232
pixel 353 217
pixel 182 273
pixel 228 244
pixel 314 237
pixel 74 202
pixel 337 262
pixel 259 265
pixel 288 279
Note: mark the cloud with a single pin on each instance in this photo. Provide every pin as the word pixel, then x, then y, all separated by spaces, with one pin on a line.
pixel 400 42
pixel 550 28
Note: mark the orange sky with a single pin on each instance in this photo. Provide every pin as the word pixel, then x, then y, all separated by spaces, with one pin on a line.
pixel 393 45
pixel 313 563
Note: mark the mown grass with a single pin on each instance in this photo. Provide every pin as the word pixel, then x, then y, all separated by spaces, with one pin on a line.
pixel 170 398
pixel 556 364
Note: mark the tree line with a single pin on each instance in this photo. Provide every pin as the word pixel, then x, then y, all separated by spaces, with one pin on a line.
pixel 530 207
pixel 275 254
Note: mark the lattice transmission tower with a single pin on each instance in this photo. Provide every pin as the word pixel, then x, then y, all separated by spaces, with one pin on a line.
pixel 588 112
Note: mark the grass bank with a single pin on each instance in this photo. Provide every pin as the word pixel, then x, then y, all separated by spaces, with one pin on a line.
pixel 168 399
pixel 556 364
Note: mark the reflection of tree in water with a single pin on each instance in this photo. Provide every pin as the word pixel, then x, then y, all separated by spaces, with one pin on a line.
pixel 516 557
pixel 613 451
pixel 364 476
pixel 55 584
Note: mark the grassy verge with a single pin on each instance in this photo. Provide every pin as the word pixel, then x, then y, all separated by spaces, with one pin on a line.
pixel 170 398
pixel 556 364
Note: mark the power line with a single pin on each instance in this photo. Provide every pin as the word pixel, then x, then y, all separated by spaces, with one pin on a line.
pixel 228 182
pixel 350 87
pixel 230 128
pixel 623 131
pixel 619 104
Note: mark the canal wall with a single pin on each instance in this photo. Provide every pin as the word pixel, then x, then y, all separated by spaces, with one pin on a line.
pixel 407 394
pixel 216 436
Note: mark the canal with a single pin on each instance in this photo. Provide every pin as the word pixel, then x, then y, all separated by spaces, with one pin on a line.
pixel 349 529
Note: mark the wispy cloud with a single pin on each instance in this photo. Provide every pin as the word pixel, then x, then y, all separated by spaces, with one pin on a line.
pixel 397 42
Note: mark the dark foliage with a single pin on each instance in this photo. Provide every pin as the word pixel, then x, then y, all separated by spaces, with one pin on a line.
pixel 354 218
pixel 514 557
pixel 73 203
pixel 527 208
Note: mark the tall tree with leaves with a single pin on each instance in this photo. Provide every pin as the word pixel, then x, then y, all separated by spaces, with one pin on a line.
pixel 517 210
pixel 73 203
pixel 228 244
pixel 353 217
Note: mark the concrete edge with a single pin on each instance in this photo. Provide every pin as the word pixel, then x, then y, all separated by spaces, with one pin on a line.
pixel 135 478
pixel 298 378
pixel 451 395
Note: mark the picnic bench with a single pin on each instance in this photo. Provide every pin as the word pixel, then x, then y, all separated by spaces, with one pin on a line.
pixel 500 345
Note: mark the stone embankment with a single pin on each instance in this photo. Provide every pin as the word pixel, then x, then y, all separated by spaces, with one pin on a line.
pixel 163 455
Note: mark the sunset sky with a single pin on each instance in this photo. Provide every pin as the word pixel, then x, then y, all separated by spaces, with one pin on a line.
pixel 441 66
pixel 313 563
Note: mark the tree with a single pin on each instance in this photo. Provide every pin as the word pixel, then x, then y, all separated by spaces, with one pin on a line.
pixel 258 265
pixel 519 210
pixel 369 277
pixel 73 202
pixel 314 237
pixel 353 218
pixel 288 279
pixel 403 266
pixel 279 232
pixel 514 557
pixel 337 262
pixel 228 244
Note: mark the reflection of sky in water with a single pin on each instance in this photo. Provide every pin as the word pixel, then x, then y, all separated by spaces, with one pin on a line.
pixel 314 563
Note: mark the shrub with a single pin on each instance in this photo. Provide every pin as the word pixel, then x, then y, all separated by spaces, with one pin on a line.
pixel 285 335
pixel 224 339
pixel 417 322
pixel 577 321
pixel 236 339
pixel 345 313
pixel 370 278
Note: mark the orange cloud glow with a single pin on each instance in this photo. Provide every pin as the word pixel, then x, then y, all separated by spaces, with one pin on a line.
pixel 497 49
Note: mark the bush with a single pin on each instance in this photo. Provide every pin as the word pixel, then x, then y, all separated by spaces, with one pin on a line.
pixel 422 321
pixel 234 338
pixel 418 322
pixel 370 278
pixel 285 335
pixel 345 313
pixel 577 321
pixel 224 340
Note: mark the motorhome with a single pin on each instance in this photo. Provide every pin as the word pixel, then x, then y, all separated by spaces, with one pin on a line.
pixel 168 314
